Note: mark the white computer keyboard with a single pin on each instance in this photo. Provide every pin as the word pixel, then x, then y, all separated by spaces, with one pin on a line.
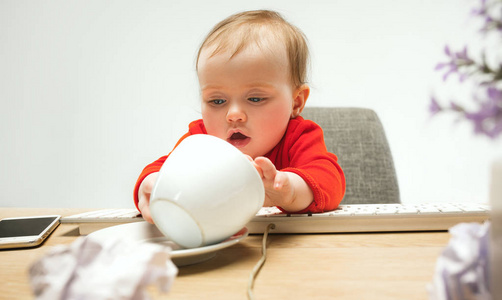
pixel 372 218
pixel 94 220
pixel 347 218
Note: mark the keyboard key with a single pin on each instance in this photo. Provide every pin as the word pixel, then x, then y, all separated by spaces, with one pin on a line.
pixel 450 209
pixel 474 208
pixel 116 213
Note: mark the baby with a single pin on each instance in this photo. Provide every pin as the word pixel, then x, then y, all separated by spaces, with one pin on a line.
pixel 252 70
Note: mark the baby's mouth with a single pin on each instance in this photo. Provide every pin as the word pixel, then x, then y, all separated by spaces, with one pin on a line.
pixel 239 139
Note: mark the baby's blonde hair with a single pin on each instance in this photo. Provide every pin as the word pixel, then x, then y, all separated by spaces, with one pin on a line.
pixel 239 30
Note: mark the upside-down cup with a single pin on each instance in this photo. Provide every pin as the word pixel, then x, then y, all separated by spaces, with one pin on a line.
pixel 206 191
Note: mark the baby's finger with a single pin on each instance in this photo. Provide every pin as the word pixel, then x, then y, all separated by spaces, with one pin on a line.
pixel 267 167
pixel 255 165
pixel 144 208
pixel 148 183
pixel 258 168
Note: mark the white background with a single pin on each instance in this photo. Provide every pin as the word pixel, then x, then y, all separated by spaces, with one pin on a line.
pixel 92 91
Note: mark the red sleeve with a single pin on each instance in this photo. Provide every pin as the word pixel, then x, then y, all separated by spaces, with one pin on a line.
pixel 305 154
pixel 196 127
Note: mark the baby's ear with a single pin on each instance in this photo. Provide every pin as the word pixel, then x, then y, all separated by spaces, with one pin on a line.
pixel 301 95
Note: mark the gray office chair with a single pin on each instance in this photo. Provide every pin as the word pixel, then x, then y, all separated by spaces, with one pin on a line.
pixel 357 137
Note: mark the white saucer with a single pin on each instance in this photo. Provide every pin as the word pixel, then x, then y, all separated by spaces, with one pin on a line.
pixel 147 233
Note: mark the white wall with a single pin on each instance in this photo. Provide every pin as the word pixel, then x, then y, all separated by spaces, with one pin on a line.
pixel 92 91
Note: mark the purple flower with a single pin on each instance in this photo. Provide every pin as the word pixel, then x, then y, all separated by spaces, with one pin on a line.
pixel 484 12
pixel 488 118
pixel 487 81
pixel 463 55
pixel 481 10
pixel 495 95
pixel 457 61
pixel 434 106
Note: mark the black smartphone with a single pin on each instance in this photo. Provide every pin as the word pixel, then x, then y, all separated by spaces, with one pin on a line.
pixel 25 232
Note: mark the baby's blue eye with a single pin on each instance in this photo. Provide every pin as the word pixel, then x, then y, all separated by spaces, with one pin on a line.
pixel 217 101
pixel 255 99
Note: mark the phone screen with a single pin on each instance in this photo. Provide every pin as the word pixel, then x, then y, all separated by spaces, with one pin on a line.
pixel 24 227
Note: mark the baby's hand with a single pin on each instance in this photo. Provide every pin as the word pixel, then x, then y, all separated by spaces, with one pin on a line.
pixel 144 192
pixel 284 189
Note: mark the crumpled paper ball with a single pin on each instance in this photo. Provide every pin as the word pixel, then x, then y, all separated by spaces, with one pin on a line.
pixel 463 269
pixel 90 268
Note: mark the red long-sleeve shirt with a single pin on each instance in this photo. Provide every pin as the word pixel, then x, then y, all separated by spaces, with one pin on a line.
pixel 301 151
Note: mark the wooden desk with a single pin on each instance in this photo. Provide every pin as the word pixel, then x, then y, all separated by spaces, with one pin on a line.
pixel 307 266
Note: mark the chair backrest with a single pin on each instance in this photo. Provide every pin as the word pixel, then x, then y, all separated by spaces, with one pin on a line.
pixel 358 139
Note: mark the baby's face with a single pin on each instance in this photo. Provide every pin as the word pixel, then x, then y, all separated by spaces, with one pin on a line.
pixel 247 100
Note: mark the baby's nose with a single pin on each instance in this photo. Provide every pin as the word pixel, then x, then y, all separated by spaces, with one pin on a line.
pixel 236 114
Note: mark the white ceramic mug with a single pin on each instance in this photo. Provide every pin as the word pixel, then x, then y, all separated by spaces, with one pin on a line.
pixel 206 191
